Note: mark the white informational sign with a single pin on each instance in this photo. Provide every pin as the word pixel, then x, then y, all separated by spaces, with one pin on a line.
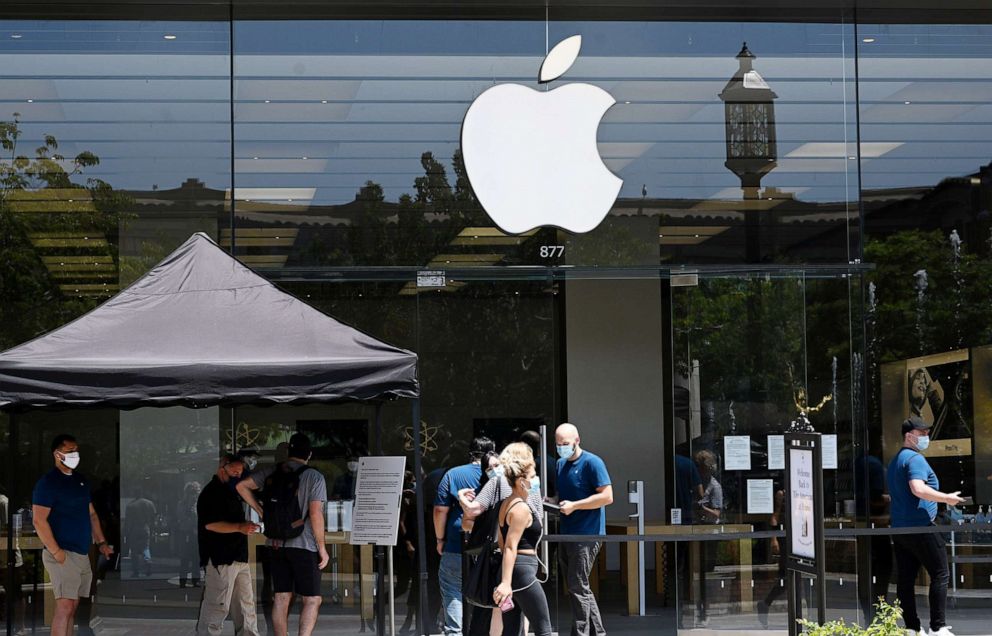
pixel 829 451
pixel 378 492
pixel 760 497
pixel 431 278
pixel 676 516
pixel 802 502
pixel 737 452
pixel 776 452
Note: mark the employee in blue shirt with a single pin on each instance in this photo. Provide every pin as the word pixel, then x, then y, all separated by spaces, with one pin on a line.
pixel 67 525
pixel 914 489
pixel 584 490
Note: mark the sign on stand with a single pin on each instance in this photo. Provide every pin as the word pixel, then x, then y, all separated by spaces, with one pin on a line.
pixel 378 493
pixel 804 524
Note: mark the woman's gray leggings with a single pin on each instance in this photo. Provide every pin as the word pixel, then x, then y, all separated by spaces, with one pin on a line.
pixel 530 602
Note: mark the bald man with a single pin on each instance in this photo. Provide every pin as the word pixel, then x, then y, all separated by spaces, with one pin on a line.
pixel 584 491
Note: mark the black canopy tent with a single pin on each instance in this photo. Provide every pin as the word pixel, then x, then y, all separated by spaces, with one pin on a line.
pixel 201 329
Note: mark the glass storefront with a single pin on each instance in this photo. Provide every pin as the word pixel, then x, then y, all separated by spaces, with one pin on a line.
pixel 816 259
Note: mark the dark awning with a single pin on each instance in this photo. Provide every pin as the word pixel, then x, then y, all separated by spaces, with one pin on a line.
pixel 202 329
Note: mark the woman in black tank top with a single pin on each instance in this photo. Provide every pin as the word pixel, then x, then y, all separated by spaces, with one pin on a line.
pixel 520 532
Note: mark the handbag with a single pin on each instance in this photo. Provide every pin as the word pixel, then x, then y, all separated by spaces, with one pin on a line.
pixel 485 559
pixel 484 573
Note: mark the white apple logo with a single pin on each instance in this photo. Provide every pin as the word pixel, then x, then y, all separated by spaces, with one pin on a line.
pixel 531 156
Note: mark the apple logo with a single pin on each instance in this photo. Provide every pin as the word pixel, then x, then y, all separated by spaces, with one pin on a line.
pixel 531 156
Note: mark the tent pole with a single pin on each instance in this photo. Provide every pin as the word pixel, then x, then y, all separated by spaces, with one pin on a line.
pixel 380 599
pixel 9 579
pixel 418 475
pixel 378 428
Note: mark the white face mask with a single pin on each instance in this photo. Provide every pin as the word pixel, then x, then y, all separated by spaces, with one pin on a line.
pixel 352 466
pixel 71 460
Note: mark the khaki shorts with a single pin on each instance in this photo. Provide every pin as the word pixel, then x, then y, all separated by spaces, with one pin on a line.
pixel 71 579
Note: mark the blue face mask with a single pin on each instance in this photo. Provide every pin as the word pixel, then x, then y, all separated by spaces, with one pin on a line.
pixel 535 486
pixel 492 473
pixel 922 443
pixel 566 451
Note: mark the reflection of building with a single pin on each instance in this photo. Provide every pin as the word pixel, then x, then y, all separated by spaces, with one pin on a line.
pixel 671 325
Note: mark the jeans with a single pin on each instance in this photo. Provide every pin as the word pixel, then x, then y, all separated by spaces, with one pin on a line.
pixel 450 576
pixel 529 601
pixel 577 561
pixel 912 551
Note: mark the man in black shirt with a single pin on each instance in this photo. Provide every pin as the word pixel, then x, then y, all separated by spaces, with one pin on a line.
pixel 223 536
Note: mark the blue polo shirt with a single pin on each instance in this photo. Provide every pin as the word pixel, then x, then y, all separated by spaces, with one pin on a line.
pixel 577 480
pixel 465 476
pixel 68 497
pixel 908 510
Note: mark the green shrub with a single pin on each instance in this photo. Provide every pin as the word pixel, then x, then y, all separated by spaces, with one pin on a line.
pixel 885 623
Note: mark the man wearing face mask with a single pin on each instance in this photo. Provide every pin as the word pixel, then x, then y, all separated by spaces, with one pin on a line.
pixel 913 488
pixel 584 491
pixel 67 525
pixel 223 538
pixel 344 485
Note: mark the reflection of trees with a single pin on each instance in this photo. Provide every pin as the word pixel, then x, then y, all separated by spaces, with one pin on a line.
pixel 956 309
pixel 42 205
pixel 422 223
pixel 714 323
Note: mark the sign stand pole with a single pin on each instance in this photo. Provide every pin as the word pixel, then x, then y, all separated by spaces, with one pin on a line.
pixel 380 599
pixel 804 542
pixel 392 591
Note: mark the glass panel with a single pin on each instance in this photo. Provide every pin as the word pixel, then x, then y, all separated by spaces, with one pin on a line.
pixel 924 91
pixel 488 370
pixel 120 137
pixel 740 361
pixel 122 130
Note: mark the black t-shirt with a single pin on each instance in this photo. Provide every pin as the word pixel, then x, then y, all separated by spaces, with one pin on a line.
pixel 217 502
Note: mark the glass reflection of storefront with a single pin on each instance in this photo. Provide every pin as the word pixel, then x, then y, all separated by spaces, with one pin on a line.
pixel 812 254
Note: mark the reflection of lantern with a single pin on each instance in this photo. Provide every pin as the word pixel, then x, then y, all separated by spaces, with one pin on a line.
pixel 750 125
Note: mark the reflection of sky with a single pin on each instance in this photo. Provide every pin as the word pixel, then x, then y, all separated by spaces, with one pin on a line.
pixel 351 101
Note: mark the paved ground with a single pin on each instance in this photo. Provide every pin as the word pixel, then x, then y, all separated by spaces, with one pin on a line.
pixel 167 610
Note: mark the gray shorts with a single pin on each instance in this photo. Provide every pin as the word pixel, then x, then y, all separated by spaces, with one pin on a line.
pixel 71 579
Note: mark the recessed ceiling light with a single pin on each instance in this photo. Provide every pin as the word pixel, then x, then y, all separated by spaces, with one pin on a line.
pixel 30 101
pixel 852 157
pixel 254 157
pixel 169 36
pixel 289 200
pixel 16 36
pixel 626 102
pixel 305 158
pixel 268 101
pixel 323 101
pixel 868 40
pixel 907 103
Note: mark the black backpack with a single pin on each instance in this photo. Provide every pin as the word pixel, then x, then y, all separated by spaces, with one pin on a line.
pixel 284 519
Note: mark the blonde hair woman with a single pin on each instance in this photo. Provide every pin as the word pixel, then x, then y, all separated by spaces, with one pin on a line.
pixel 520 533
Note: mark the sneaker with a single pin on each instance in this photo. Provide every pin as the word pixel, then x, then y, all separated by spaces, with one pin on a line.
pixel 914 632
pixel 943 631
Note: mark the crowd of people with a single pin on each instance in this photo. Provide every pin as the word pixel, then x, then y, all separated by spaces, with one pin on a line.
pixel 213 533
